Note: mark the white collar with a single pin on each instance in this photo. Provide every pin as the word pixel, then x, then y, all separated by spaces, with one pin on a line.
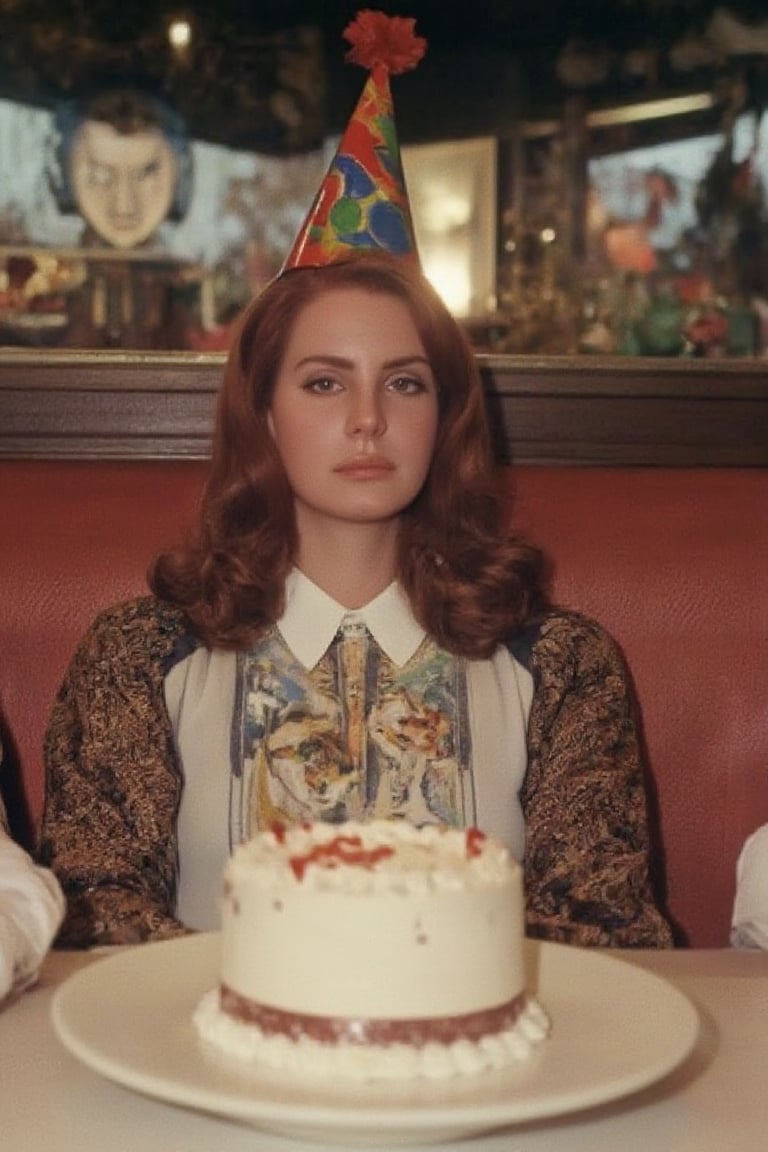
pixel 312 619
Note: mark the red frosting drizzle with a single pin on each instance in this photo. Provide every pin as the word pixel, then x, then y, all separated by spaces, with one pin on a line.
pixel 475 841
pixel 277 828
pixel 340 850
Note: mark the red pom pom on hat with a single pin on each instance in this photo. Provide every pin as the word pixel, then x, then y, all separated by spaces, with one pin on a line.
pixel 384 41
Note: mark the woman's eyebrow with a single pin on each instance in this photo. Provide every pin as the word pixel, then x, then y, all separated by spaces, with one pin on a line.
pixel 404 361
pixel 343 362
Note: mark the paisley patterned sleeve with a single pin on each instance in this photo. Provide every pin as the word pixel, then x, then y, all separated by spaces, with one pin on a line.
pixel 587 853
pixel 113 782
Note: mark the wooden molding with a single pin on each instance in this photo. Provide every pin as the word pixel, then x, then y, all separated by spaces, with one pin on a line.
pixel 545 410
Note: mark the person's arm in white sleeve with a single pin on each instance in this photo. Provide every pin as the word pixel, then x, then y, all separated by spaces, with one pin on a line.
pixel 31 910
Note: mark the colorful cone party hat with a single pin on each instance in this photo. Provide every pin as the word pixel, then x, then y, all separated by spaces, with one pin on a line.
pixel 362 202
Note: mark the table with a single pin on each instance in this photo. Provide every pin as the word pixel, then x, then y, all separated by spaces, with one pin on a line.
pixel 717 1099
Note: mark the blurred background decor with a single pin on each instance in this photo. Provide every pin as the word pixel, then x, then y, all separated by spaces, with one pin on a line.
pixel 587 178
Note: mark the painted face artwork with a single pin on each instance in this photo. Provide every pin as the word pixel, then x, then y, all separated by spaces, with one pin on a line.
pixel 354 412
pixel 124 182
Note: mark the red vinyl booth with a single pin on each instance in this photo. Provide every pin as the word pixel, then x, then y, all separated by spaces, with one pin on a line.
pixel 673 562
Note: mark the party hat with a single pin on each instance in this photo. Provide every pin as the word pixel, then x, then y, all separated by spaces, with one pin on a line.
pixel 362 202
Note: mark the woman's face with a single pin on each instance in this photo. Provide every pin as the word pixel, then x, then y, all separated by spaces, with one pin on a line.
pixel 354 412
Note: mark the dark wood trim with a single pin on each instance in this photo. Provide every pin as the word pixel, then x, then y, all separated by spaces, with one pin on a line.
pixel 545 410
pixel 630 412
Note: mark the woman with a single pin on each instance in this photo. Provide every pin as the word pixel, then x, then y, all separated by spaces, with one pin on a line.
pixel 353 632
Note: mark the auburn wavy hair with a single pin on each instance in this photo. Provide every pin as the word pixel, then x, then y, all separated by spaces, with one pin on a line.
pixel 470 580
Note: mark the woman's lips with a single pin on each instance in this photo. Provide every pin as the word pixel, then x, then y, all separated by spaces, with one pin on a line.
pixel 365 467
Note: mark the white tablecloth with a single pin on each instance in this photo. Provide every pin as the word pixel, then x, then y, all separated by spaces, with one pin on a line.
pixel 717 1101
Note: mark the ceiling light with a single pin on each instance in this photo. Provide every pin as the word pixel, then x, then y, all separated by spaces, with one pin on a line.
pixel 180 33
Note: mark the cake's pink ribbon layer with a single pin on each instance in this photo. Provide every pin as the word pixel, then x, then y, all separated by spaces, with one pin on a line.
pixel 335 1029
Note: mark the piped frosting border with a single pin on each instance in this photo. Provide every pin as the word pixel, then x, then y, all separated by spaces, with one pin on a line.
pixel 247 1044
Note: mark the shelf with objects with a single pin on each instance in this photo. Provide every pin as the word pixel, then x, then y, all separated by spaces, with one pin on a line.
pixel 100 298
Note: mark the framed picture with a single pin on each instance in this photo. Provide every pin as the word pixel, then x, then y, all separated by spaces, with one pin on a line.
pixel 453 192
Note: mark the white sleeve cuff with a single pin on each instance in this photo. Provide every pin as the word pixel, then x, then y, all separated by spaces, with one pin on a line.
pixel 750 909
pixel 31 910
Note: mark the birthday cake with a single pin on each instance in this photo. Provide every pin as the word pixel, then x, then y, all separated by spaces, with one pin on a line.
pixel 372 951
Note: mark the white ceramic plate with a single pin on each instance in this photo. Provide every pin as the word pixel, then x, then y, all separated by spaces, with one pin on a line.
pixel 615 1029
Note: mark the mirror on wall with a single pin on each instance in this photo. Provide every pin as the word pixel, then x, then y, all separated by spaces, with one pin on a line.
pixel 578 185
pixel 637 230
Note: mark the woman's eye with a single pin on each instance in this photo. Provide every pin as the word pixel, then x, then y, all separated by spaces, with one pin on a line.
pixel 321 386
pixel 406 385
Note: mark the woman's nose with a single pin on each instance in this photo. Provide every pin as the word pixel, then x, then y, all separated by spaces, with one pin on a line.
pixel 366 414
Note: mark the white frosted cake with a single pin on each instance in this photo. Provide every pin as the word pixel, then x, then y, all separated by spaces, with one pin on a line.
pixel 372 951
